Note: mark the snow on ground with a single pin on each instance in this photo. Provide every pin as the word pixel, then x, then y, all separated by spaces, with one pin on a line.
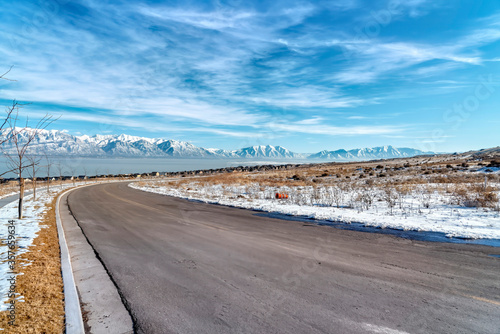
pixel 26 230
pixel 489 170
pixel 419 209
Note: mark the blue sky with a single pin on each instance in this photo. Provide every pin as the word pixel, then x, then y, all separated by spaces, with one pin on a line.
pixel 307 75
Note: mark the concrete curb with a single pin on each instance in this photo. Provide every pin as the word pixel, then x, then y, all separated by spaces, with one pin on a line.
pixel 74 320
pixel 105 308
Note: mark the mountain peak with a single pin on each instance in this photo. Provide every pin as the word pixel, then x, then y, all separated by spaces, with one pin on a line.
pixel 375 153
pixel 54 142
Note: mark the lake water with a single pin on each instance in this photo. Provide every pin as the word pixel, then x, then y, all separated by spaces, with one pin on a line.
pixel 96 166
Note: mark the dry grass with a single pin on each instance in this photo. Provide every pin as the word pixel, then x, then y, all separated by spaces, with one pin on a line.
pixel 474 195
pixel 8 188
pixel 40 283
pixel 446 175
pixel 372 173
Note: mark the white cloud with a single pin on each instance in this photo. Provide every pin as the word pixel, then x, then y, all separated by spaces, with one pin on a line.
pixel 311 121
pixel 309 97
pixel 373 59
pixel 217 69
pixel 339 130
pixel 216 20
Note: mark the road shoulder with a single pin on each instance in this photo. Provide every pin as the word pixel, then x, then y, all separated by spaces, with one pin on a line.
pixel 102 306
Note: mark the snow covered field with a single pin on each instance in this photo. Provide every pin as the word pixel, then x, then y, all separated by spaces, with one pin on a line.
pixel 26 231
pixel 446 208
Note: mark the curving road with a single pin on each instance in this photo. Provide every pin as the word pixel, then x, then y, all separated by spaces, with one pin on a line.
pixel 186 267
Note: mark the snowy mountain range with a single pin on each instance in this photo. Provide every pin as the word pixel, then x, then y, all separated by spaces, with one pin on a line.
pixel 59 143
pixel 384 152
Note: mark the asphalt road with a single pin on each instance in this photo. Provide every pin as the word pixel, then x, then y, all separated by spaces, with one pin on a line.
pixel 6 200
pixel 186 267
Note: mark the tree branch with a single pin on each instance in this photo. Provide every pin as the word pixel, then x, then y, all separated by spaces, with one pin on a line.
pixel 3 75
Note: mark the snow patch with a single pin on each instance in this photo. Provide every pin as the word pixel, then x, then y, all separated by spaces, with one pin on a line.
pixel 26 230
pixel 419 211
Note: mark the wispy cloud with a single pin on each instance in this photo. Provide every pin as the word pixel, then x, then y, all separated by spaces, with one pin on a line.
pixel 228 70
pixel 416 8
pixel 311 121
pixel 376 59
pixel 310 97
pixel 339 130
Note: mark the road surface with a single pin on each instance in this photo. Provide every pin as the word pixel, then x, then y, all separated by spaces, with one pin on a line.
pixel 187 267
pixel 9 199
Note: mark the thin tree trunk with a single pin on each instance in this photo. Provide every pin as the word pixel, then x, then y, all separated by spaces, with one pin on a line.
pixel 34 188
pixel 21 197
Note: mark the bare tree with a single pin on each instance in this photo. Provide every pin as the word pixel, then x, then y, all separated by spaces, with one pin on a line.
pixel 5 137
pixel 85 176
pixel 73 172
pixel 49 164
pixel 7 72
pixel 60 170
pixel 20 140
pixel 34 164
pixel 9 110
